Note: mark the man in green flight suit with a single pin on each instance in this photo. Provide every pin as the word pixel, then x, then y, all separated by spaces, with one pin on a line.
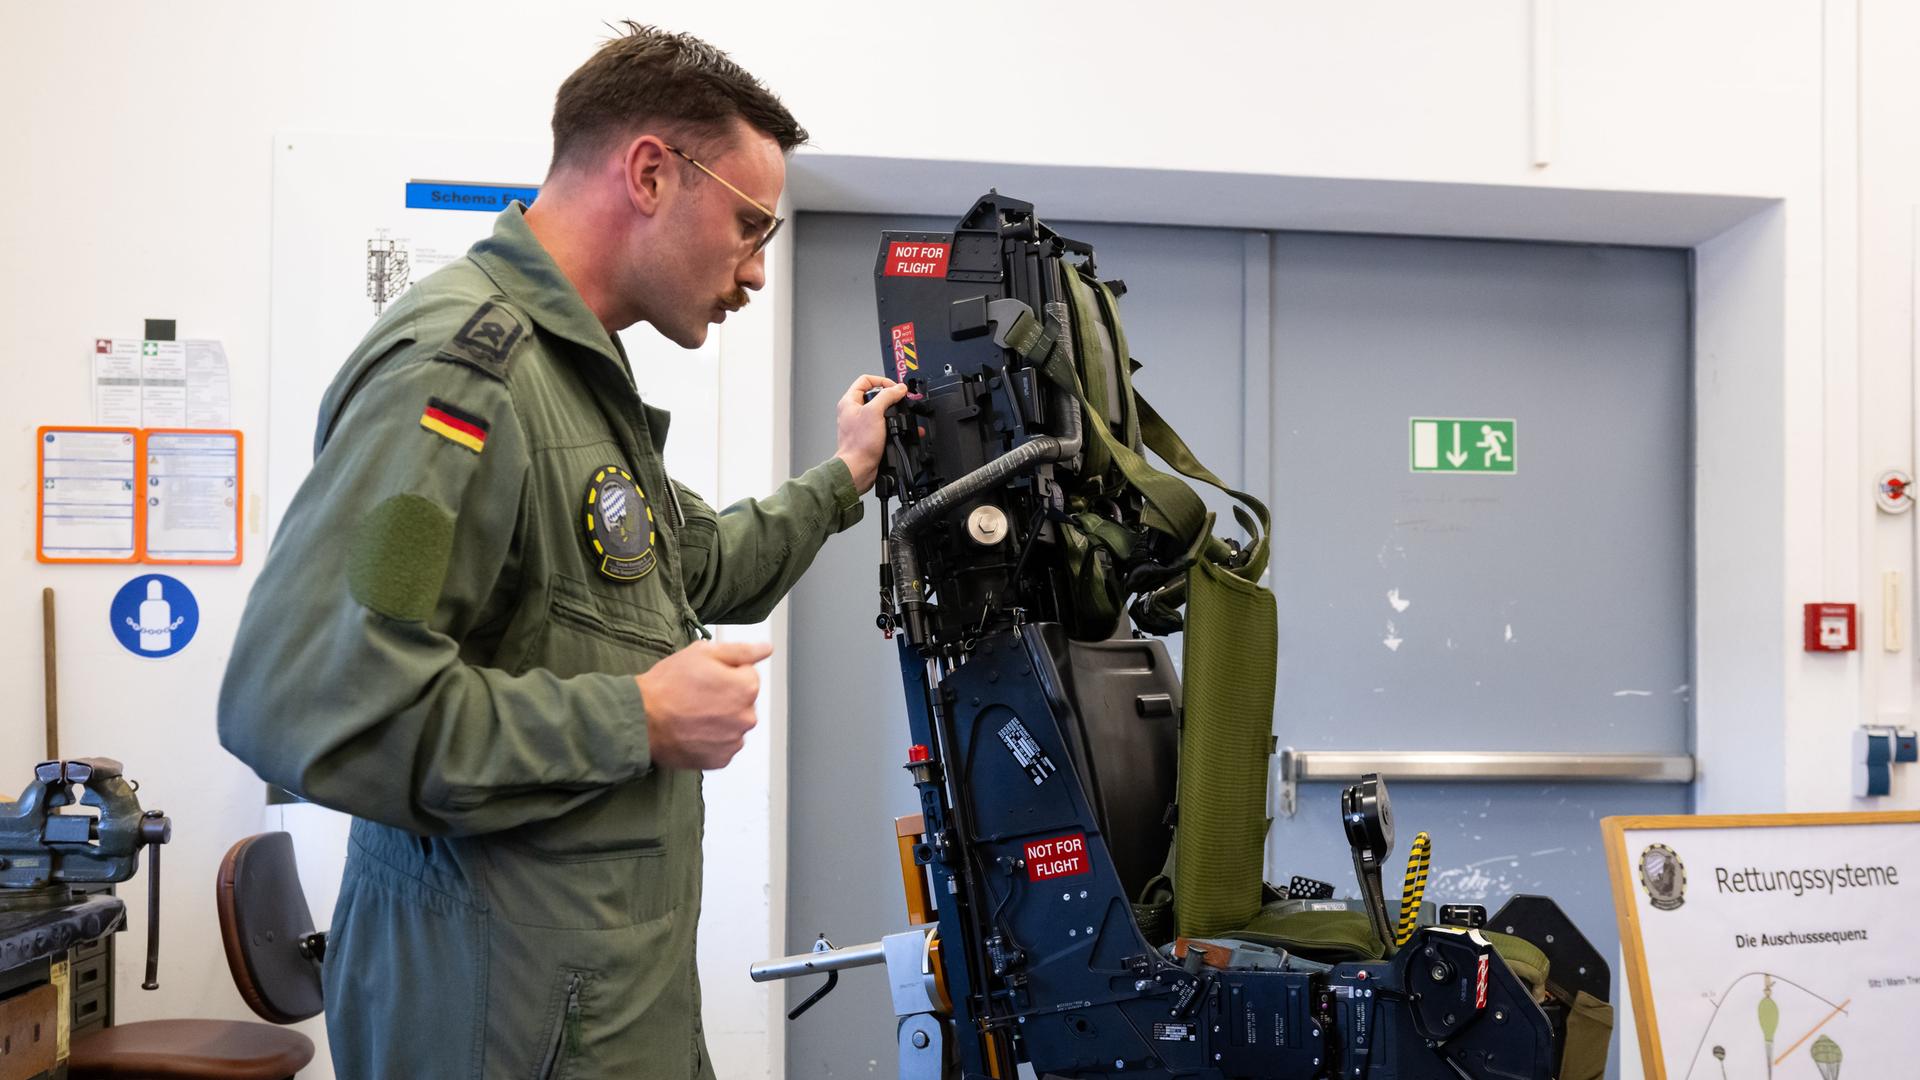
pixel 480 628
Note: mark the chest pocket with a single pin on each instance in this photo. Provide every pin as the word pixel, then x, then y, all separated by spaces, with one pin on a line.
pixel 621 620
pixel 611 602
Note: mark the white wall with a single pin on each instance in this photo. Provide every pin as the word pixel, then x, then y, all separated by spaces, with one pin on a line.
pixel 135 154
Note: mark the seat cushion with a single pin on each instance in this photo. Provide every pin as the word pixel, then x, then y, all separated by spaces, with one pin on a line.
pixel 191 1050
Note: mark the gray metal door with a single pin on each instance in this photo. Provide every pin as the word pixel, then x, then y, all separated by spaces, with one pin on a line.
pixel 1541 610
pixel 1544 609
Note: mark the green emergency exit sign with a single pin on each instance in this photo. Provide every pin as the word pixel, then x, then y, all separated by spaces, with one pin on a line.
pixel 1451 444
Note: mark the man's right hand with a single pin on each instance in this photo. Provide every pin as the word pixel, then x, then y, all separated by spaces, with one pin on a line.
pixel 699 703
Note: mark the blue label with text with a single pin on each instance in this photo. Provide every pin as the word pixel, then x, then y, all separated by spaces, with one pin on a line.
pixel 438 195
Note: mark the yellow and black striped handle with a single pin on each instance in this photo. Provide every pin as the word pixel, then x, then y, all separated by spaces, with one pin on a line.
pixel 1415 888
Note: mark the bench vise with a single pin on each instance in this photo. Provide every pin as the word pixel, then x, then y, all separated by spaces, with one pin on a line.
pixel 44 851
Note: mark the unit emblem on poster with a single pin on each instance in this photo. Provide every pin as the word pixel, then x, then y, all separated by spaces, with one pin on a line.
pixel 1663 876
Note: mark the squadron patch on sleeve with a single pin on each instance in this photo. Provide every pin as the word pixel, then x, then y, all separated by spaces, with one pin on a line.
pixel 618 524
pixel 454 424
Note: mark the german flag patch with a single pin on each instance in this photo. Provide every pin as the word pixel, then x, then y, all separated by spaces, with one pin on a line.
pixel 454 424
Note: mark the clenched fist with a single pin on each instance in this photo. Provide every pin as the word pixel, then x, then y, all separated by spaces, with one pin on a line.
pixel 863 426
pixel 699 703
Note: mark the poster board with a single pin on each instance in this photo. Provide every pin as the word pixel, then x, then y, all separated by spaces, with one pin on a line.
pixel 171 496
pixel 86 509
pixel 1777 946
pixel 194 490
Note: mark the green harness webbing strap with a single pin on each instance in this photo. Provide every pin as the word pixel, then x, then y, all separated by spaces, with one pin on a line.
pixel 1232 656
pixel 1092 542
pixel 1232 642
pixel 1258 523
pixel 1153 908
pixel 1172 507
pixel 1232 622
pixel 1589 1030
pixel 1124 367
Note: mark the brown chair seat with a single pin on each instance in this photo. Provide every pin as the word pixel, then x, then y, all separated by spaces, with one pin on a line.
pixel 190 1050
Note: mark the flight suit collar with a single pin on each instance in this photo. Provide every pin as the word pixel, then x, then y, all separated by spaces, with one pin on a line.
pixel 528 276
pixel 657 420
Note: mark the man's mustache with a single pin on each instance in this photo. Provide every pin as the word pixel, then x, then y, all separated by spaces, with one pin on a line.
pixel 736 299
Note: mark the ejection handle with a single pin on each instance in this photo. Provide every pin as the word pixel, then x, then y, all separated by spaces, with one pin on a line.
pixel 1368 816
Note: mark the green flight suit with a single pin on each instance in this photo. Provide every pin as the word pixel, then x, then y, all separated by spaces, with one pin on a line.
pixel 434 648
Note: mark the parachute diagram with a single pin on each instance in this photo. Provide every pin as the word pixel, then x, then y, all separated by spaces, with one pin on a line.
pixel 1741 1052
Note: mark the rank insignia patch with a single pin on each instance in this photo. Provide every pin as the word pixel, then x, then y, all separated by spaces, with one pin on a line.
pixel 619 524
pixel 454 424
pixel 486 340
pixel 490 333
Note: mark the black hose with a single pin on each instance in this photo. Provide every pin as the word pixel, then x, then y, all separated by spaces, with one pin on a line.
pixel 1041 450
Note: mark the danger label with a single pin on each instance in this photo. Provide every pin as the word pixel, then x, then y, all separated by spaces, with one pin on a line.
pixel 916 260
pixel 1480 984
pixel 906 353
pixel 1062 856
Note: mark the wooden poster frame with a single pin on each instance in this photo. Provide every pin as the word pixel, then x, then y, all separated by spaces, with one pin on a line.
pixel 1621 870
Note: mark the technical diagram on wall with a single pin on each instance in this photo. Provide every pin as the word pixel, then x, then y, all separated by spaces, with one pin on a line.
pixel 1770 946
pixel 357 221
pixel 388 270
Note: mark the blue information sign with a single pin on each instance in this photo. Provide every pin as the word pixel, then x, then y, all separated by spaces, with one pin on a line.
pixel 154 616
pixel 443 195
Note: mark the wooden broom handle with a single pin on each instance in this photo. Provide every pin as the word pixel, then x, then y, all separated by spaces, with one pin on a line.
pixel 52 675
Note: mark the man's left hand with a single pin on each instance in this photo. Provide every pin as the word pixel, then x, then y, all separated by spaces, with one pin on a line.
pixel 863 426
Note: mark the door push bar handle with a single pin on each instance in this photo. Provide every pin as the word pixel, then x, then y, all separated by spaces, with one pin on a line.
pixel 1478 766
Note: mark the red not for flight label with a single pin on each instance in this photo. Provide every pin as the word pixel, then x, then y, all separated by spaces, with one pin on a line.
pixel 910 259
pixel 1063 856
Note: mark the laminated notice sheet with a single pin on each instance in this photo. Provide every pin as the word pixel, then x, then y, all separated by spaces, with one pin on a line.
pixel 193 496
pixel 161 384
pixel 88 507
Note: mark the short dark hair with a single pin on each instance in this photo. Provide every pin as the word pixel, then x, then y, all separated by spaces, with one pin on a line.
pixel 646 75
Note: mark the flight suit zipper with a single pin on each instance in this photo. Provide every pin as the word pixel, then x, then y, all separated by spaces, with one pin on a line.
pixel 673 506
pixel 566 1031
pixel 630 420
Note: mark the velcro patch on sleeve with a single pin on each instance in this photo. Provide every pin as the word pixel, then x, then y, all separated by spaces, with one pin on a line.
pixel 455 424
pixel 398 561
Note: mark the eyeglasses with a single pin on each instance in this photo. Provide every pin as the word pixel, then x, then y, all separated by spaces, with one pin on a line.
pixel 766 237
